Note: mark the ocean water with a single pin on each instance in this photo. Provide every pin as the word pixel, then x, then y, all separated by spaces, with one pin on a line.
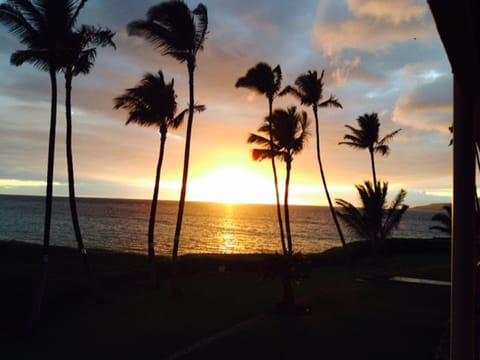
pixel 207 227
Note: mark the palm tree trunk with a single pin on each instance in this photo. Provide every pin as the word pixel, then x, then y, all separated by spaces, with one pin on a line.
pixel 71 183
pixel 286 209
pixel 183 191
pixel 324 181
pixel 40 292
pixel 275 180
pixel 372 161
pixel 153 211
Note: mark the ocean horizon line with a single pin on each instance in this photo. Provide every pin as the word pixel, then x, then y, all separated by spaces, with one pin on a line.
pixel 163 200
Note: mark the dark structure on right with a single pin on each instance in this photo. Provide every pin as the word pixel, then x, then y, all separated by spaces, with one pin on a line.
pixel 458 24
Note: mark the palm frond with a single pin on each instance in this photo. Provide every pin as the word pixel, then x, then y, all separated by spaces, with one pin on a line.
pixel 38 58
pixel 17 17
pixel 331 102
pixel 202 26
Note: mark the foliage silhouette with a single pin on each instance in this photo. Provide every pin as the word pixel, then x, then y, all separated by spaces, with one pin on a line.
pixel 44 28
pixel 374 221
pixel 366 137
pixel 267 81
pixel 444 220
pixel 309 90
pixel 180 33
pixel 286 132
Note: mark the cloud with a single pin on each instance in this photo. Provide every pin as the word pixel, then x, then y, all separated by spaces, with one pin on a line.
pixel 427 107
pixel 370 25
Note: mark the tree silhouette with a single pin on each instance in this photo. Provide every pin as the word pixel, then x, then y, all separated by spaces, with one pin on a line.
pixel 443 220
pixel 180 33
pixel 286 132
pixel 43 27
pixel 366 137
pixel 152 103
pixel 78 58
pixel 309 90
pixel 374 221
pixel 267 81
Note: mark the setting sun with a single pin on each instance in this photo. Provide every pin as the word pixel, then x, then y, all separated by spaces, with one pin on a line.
pixel 232 184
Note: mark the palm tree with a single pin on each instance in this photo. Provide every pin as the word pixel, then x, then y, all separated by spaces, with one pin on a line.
pixel 180 33
pixel 79 58
pixel 373 221
pixel 444 220
pixel 43 27
pixel 309 90
pixel 366 137
pixel 267 81
pixel 152 103
pixel 286 134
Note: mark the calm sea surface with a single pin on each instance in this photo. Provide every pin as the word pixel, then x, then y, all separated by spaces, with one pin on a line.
pixel 207 227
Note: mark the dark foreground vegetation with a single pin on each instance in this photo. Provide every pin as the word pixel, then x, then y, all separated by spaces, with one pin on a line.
pixel 351 312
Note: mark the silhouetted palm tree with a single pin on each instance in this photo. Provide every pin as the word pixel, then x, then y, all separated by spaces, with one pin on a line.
pixel 373 221
pixel 366 137
pixel 444 220
pixel 309 90
pixel 180 33
pixel 152 104
pixel 286 132
pixel 43 27
pixel 267 81
pixel 78 58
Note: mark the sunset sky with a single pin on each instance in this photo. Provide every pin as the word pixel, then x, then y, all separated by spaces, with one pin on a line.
pixel 379 56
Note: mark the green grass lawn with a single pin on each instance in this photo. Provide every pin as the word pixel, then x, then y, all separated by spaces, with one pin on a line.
pixel 348 318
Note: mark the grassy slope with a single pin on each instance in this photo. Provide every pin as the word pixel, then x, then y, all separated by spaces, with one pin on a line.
pixel 348 318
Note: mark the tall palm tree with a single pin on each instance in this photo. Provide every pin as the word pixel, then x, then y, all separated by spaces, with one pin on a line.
pixel 374 220
pixel 286 132
pixel 43 27
pixel 267 81
pixel 79 57
pixel 152 103
pixel 180 33
pixel 309 90
pixel 366 137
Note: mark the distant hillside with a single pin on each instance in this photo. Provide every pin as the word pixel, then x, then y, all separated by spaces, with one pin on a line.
pixel 431 207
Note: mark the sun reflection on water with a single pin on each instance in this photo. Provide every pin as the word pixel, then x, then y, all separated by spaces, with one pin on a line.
pixel 227 241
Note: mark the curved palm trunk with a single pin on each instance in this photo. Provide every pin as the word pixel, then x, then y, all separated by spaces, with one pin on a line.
pixel 71 177
pixel 183 191
pixel 48 203
pixel 286 209
pixel 153 211
pixel 275 180
pixel 322 174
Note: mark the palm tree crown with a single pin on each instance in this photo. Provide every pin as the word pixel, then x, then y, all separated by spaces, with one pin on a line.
pixel 443 220
pixel 174 29
pixel 263 80
pixel 366 136
pixel 43 26
pixel 289 134
pixel 309 90
pixel 374 220
pixel 151 103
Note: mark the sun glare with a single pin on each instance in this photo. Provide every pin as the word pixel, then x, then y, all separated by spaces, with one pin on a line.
pixel 232 184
